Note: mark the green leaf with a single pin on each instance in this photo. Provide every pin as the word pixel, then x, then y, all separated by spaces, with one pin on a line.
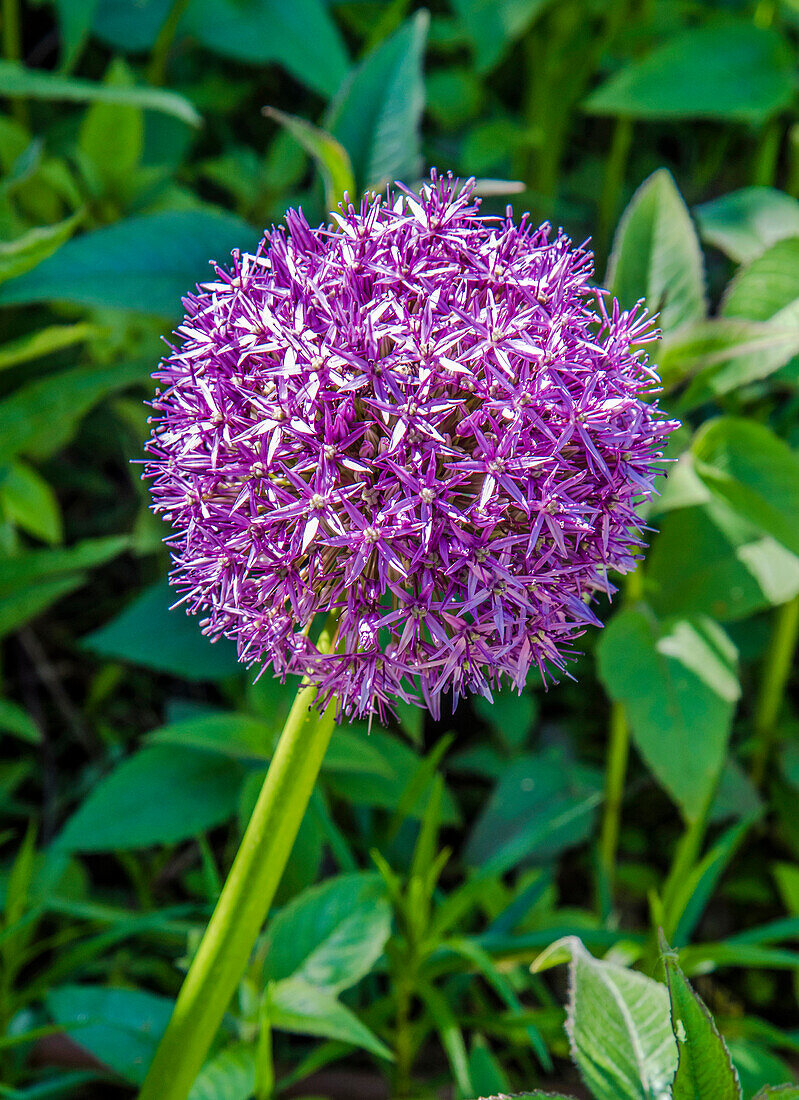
pixel 112 135
pixel 17 80
pixel 743 224
pixel 229 1075
pixel 74 23
pixel 779 1092
pixel 160 795
pixel 120 1027
pixel 756 1066
pixel 42 416
pixel 734 71
pixel 377 114
pixel 656 255
pixel 23 605
pixel 14 719
pixel 300 35
pixel 754 472
pixel 130 28
pixel 706 560
pixel 717 356
pixel 618 1027
pixel 679 684
pixel 330 156
pixel 28 502
pixel 767 289
pixel 34 247
pixel 147 633
pixel 545 801
pixel 145 264
pixel 45 341
pixel 704 1068
pixel 304 1009
pixel 331 935
pixel 493 26
pixel 19 571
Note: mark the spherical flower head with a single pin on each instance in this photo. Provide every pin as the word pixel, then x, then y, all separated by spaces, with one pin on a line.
pixel 424 421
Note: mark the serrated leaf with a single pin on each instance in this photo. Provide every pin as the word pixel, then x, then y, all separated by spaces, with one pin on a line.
pixel 376 115
pixel 704 1065
pixel 331 935
pixel 618 1026
pixel 743 224
pixel 679 684
pixel 732 70
pixel 17 80
pixel 656 255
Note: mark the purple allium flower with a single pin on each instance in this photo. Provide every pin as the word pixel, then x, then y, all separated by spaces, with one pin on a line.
pixel 424 420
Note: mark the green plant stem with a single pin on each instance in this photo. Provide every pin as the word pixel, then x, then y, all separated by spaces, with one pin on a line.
pixel 156 71
pixel 615 774
pixel 688 848
pixel 767 154
pixel 246 897
pixel 610 199
pixel 776 669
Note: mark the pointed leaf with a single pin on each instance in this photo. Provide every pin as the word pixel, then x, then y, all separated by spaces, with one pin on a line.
pixel 330 156
pixel 34 247
pixel 743 224
pixel 304 1009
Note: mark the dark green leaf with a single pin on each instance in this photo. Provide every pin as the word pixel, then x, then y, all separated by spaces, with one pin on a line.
pixel 331 935
pixel 17 80
pixel 30 568
pixel 161 795
pixel 34 247
pixel 733 71
pixel 745 223
pixel 377 114
pixel 679 685
pixel 656 255
pixel 45 341
pixel 144 264
pixel 14 719
pixel 22 606
pixel 27 501
pixel 147 633
pixel 493 25
pixel 74 23
pixel 704 1068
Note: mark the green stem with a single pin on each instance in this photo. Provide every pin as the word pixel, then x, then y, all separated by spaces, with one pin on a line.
pixel 244 903
pixel 767 154
pixel 615 773
pixel 609 200
pixel 156 72
pixel 777 668
pixel 687 851
pixel 12 49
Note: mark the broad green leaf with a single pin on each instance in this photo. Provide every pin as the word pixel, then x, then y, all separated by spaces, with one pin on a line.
pixel 28 502
pixel 734 71
pixel 704 1067
pixel 25 604
pixel 14 719
pixel 74 23
pixel 160 795
pixel 127 27
pixel 679 684
pixel 34 247
pixel 767 289
pixel 618 1027
pixel 376 115
pixel 120 1027
pixel 706 560
pixel 330 156
pixel 300 35
pixel 754 472
pixel 45 341
pixel 331 935
pixel 20 571
pixel 494 25
pixel 547 799
pixel 147 633
pixel 40 417
pixel 145 264
pixel 17 80
pixel 112 135
pixel 229 1075
pixel 743 224
pixel 252 739
pixel 714 357
pixel 656 255
pixel 304 1009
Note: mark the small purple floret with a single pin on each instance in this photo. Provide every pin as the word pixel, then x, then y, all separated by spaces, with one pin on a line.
pixel 422 419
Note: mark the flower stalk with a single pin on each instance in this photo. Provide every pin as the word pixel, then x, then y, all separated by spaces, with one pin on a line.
pixel 776 670
pixel 246 897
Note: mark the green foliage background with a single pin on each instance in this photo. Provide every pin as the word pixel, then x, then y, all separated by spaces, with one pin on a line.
pixel 656 790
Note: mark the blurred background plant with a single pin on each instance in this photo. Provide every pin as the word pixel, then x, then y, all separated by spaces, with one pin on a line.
pixel 656 790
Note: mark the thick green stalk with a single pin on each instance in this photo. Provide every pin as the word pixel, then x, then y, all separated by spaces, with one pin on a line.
pixel 776 669
pixel 244 903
